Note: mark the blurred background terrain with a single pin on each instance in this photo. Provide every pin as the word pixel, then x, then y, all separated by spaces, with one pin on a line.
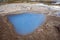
pixel 31 1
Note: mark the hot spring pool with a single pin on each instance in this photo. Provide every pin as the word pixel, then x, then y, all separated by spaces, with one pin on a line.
pixel 26 23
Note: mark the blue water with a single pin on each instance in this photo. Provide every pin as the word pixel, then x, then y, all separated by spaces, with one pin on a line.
pixel 26 23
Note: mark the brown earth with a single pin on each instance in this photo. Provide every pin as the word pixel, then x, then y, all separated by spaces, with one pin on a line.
pixel 49 31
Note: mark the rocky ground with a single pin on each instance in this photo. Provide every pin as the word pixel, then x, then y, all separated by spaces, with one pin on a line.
pixel 49 31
